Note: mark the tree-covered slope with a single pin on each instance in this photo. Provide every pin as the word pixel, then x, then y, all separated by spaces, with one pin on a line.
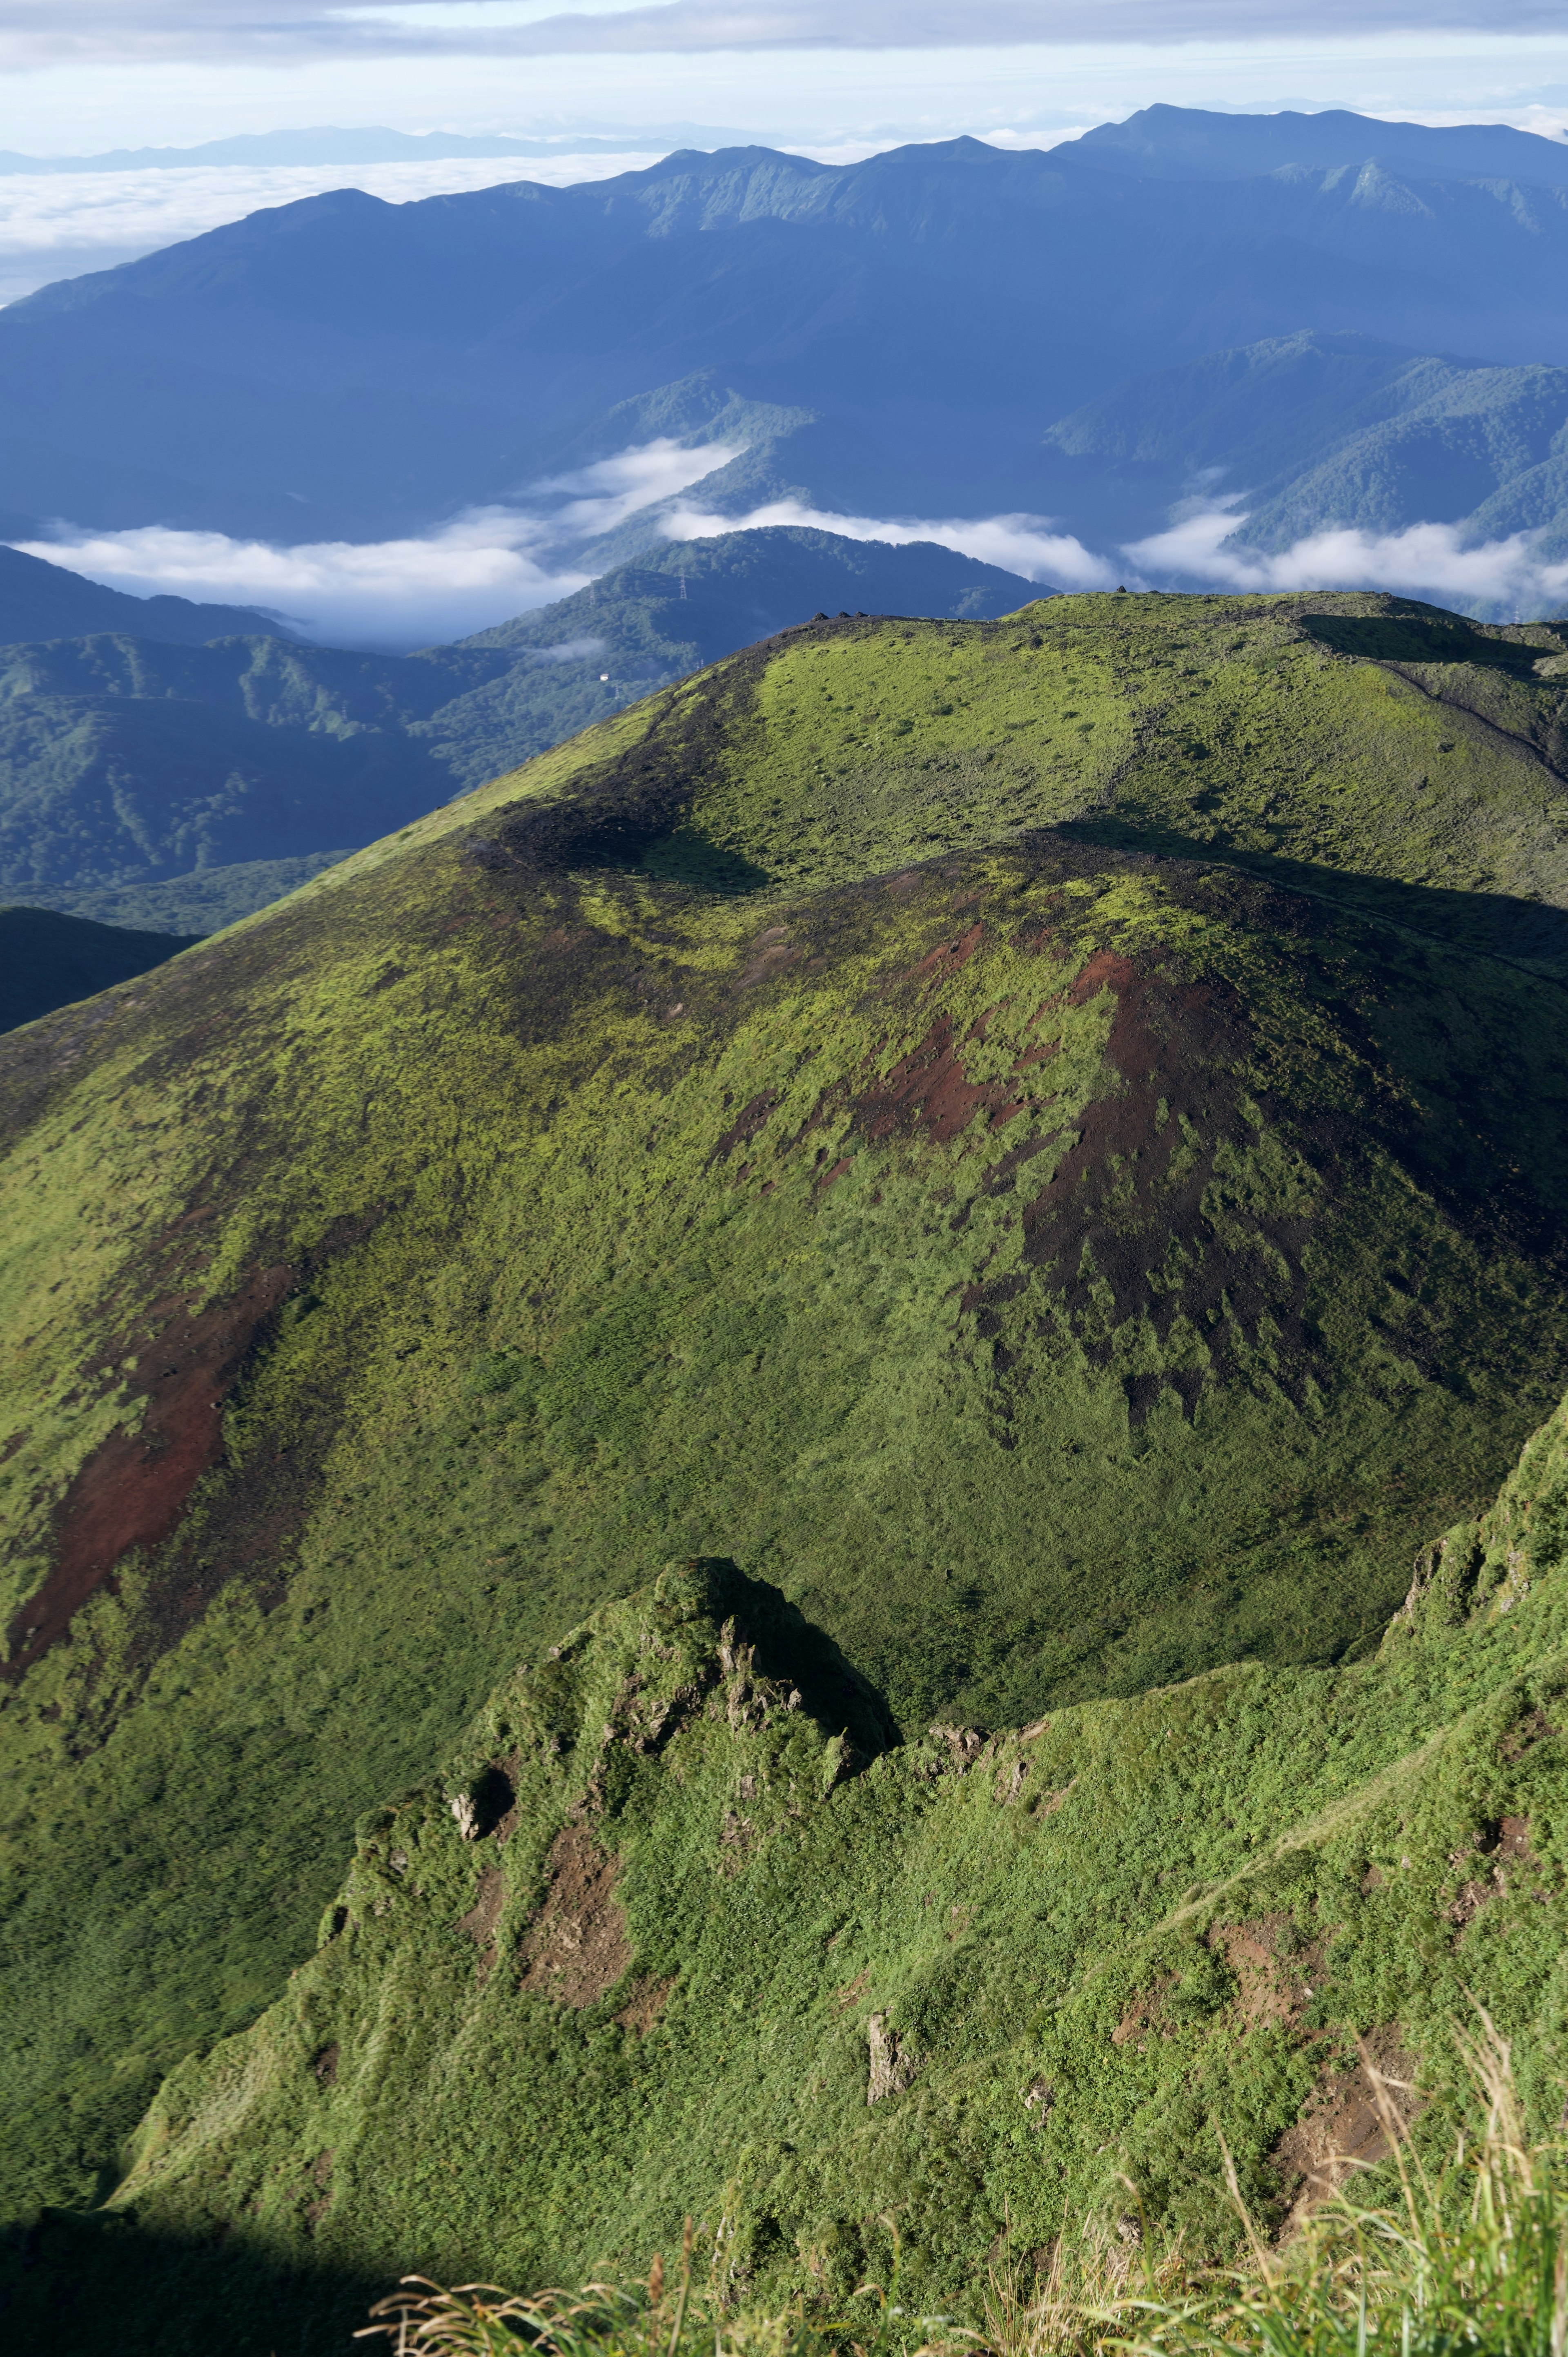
pixel 1317 432
pixel 346 369
pixel 168 785
pixel 807 1119
pixel 40 601
pixel 47 960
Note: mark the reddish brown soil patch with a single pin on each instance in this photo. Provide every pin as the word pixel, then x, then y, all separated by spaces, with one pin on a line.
pixel 744 1126
pixel 1524 1736
pixel 1352 2121
pixel 644 2005
pixel 321 2175
pixel 928 1091
pixel 1127 1210
pixel 1276 1980
pixel 482 1917
pixel 1104 971
pixel 135 1487
pixel 578 1948
pixel 1144 2017
pixel 946 958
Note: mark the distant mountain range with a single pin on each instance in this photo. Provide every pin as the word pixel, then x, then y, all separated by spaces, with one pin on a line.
pixel 39 600
pixel 332 144
pixel 179 788
pixel 1317 430
pixel 912 326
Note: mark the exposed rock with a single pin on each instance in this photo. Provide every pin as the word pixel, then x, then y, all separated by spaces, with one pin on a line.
pixel 893 2064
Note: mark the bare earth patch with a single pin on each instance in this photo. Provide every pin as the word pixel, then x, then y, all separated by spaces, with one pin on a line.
pixel 577 1948
pixel 1351 2122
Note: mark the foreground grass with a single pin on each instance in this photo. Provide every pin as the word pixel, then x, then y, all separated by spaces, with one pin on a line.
pixel 1473 2258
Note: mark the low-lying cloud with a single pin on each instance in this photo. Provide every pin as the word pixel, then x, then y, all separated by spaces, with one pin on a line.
pixel 1425 560
pixel 1019 544
pixel 485 566
pixel 492 562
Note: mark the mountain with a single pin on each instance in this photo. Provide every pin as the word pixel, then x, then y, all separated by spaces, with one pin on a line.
pixel 40 601
pixel 1313 432
pixel 187 787
pixel 47 960
pixel 333 144
pixel 968 1987
pixel 1038 1140
pixel 1180 142
pixel 342 367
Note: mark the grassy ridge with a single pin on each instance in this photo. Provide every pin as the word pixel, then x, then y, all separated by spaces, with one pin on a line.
pixel 743 1132
pixel 1078 1955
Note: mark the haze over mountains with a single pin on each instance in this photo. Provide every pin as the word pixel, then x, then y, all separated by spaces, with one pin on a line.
pixel 897 339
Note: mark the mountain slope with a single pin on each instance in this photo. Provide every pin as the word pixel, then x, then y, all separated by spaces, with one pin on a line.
pixel 47 960
pixel 186 786
pixel 40 601
pixel 1188 142
pixel 293 374
pixel 801 1120
pixel 977 1990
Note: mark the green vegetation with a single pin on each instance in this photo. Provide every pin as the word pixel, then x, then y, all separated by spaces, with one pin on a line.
pixel 1328 431
pixel 799 1123
pixel 655 1942
pixel 1468 2257
pixel 188 786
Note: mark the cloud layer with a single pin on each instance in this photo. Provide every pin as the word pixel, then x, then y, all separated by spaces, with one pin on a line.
pixel 35 32
pixel 1019 544
pixel 480 569
pixel 1426 560
pixel 492 562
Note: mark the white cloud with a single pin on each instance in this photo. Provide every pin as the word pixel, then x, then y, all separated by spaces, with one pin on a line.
pixel 484 566
pixel 1426 560
pixel 606 494
pixel 1019 544
pixel 33 32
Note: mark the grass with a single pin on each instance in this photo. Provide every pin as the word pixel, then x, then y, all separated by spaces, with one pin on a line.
pixel 1473 2258
pixel 551 1148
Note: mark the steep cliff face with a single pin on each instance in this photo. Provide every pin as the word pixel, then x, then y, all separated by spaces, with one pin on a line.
pixel 801 1120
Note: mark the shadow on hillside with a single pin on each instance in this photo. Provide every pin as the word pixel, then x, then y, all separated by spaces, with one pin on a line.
pixel 1424 638
pixel 100 2287
pixel 1529 934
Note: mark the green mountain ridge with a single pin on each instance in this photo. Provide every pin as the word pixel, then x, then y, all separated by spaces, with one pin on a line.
pixel 183 786
pixel 1039 1140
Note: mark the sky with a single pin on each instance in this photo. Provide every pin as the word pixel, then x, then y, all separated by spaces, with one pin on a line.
pixel 834 78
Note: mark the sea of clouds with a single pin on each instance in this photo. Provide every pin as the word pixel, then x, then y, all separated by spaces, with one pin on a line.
pixel 482 567
pixel 491 562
